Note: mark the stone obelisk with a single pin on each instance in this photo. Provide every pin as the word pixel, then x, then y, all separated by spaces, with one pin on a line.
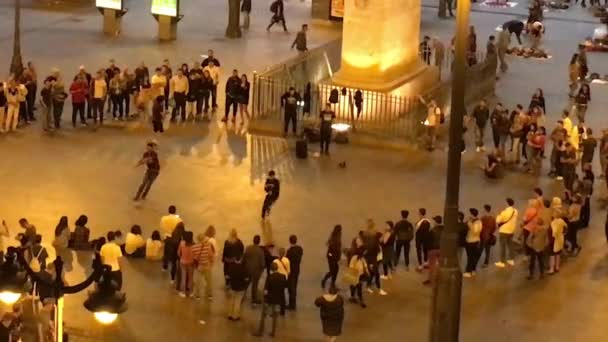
pixel 380 47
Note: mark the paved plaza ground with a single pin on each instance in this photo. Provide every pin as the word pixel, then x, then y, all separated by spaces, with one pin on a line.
pixel 214 176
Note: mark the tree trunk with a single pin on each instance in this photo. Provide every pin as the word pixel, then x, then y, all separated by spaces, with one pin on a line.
pixel 16 62
pixel 441 10
pixel 234 20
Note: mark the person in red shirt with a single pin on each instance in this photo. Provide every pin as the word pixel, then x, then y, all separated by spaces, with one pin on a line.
pixel 79 91
pixel 488 228
pixel 536 144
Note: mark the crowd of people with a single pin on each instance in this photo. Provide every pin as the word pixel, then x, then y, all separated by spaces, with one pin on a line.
pixel 189 91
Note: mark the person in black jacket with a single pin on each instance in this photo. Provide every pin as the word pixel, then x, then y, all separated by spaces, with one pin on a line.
pixel 432 243
pixel 327 117
pixel 331 307
pixel 206 91
pixel 194 97
pixel 274 290
pixel 334 253
pixel 272 188
pixel 481 114
pixel 290 101
pixel 238 282
pixel 233 90
pixel 233 251
pixel 404 233
pixel 294 255
pixel 278 15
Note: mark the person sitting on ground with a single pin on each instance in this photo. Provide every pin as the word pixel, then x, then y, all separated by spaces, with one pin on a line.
pixel 492 167
pixel 154 247
pixel 135 246
pixel 80 237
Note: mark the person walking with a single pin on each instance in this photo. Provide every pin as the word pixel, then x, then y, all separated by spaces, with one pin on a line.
pixel 274 296
pixel 255 263
pixel 473 243
pixel 79 91
pixel 506 222
pixel 294 255
pixel 186 264
pixel 488 239
pixel 333 255
pixel 277 9
pixel 404 233
pixel 272 187
pixel 504 40
pixel 582 99
pixel 327 117
pixel 481 114
pixel 233 89
pixel 331 307
pixel 238 282
pixel 537 243
pixel 356 275
pixel 438 52
pixel 289 101
pixel 246 11
pixel 150 159
pixel 300 42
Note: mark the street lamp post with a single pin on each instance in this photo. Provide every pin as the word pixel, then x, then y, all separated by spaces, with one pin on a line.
pixel 17 62
pixel 447 292
pixel 105 302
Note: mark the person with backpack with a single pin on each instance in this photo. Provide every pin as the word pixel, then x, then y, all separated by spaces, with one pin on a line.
pixel 278 16
pixel 404 233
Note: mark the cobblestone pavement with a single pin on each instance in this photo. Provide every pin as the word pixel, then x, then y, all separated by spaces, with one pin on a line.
pixel 214 176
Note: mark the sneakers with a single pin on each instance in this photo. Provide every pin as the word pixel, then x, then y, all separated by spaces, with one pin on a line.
pixel 511 262
pixel 182 294
pixel 382 292
pixel 369 290
pixel 500 264
pixel 201 322
pixel 478 149
pixel 383 277
pixel 467 275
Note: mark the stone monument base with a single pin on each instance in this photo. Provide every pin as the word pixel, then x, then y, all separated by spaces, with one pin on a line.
pixel 417 80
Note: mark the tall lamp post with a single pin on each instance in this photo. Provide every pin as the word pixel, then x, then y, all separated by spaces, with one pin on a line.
pixel 105 301
pixel 447 292
pixel 17 62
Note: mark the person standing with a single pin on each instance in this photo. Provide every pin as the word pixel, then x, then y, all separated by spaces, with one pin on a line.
pixel 574 214
pixel 568 161
pixel 582 101
pixel 237 283
pixel 481 114
pixel 404 233
pixel 21 96
pixel 488 227
pixel 186 264
pixel 294 255
pixel 425 49
pixel 127 83
pixel 358 271
pixel 214 73
pixel 99 92
pixel 3 104
pixel 243 98
pixel 233 89
pixel 589 145
pixel 150 159
pixel 233 250
pixel 79 91
pixel 246 10
pixel 32 87
pixel 254 261
pixel 472 46
pixel 387 242
pixel 432 244
pixel 178 91
pixel 11 92
pixel 439 52
pixel 504 40
pixel 278 15
pixel 59 96
pixel 537 243
pixel 204 256
pixel 300 43
pixel 331 307
pixel 556 242
pixel 289 101
pixel 110 254
pixel 110 71
pixel 272 187
pixel 327 117
pixel 274 295
pixel 194 103
pixel 420 236
pixel 333 255
pixel 158 115
pixel 473 243
pixel 116 96
pixel 506 222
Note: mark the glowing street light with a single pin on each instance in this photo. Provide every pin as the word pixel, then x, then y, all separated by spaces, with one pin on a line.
pixel 105 317
pixel 9 297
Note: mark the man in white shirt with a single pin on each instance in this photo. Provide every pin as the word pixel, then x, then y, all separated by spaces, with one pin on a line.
pixel 100 90
pixel 178 90
pixel 110 256
pixel 214 71
pixel 507 222
pixel 158 82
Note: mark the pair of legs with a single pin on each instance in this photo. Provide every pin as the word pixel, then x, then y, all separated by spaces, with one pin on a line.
pixel 203 274
pixel 506 247
pixel 234 304
pixel 421 253
pixel 180 106
pixel 78 110
pixel 116 105
pixel 554 262
pixel 255 281
pixel 187 273
pixel 98 109
pixel 356 292
pixel 292 289
pixel 486 247
pixel 57 113
pixel 269 309
pixel 230 102
pixel 473 250
pixel 268 202
pixel 536 256
pixel 325 141
pixel 293 118
pixel 244 111
pixel 146 184
pixel 405 245
pixel 334 268
pixel 11 119
pixel 277 19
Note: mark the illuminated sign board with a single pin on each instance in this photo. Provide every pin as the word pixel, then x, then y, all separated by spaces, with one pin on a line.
pixel 165 7
pixel 112 4
pixel 336 9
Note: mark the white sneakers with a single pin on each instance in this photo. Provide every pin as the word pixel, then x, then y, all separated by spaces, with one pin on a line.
pixel 467 275
pixel 511 262
pixel 383 277
pixel 500 264
pixel 382 292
